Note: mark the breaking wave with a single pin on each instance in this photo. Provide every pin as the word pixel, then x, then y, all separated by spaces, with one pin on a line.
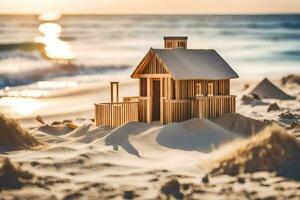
pixel 26 63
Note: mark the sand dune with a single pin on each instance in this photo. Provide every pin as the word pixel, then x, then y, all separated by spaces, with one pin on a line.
pixel 291 79
pixel 193 135
pixel 273 149
pixel 120 136
pixel 13 137
pixel 240 124
pixel 143 160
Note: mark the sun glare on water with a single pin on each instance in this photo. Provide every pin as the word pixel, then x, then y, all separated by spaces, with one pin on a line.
pixel 50 31
pixel 49 16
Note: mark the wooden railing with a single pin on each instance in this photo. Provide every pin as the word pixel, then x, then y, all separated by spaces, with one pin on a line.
pixel 177 110
pixel 215 106
pixel 135 109
pixel 202 107
pixel 115 114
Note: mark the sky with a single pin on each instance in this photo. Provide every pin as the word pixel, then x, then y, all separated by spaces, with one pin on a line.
pixel 150 6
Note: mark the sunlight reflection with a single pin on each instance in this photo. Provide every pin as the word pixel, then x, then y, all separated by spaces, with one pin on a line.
pixel 49 16
pixel 41 89
pixel 55 48
pixel 56 84
pixel 22 93
pixel 50 30
pixel 20 105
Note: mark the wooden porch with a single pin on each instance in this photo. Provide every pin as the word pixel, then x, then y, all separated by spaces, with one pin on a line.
pixel 135 109
pixel 201 107
pixel 115 114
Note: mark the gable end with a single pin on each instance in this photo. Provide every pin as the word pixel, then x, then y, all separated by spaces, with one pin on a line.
pixel 150 64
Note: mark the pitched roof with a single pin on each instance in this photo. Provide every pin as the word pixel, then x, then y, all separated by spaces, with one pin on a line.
pixel 175 38
pixel 187 64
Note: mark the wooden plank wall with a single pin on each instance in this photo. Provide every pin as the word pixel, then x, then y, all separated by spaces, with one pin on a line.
pixel 154 67
pixel 115 114
pixel 216 106
pixel 131 99
pixel 143 109
pixel 186 89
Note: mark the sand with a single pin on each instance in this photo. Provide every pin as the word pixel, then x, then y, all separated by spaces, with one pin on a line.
pixel 272 149
pixel 14 137
pixel 240 124
pixel 291 79
pixel 149 161
pixel 11 176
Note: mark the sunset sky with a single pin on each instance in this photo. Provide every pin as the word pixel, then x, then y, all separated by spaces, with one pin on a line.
pixel 150 6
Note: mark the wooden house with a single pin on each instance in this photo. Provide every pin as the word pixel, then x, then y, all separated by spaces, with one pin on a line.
pixel 175 84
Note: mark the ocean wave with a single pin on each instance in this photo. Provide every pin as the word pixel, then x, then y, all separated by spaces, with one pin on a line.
pixel 56 71
pixel 295 54
pixel 26 63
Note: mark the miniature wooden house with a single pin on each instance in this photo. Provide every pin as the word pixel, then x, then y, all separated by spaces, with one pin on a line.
pixel 175 84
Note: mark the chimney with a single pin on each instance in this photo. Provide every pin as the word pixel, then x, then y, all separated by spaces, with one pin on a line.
pixel 175 42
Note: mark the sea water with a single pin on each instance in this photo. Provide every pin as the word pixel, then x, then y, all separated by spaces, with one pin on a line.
pixel 94 48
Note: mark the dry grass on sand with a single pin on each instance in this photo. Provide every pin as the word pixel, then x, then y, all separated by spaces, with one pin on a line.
pixel 14 137
pixel 273 150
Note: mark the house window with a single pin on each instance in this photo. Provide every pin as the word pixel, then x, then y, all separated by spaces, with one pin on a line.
pixel 169 45
pixel 143 87
pixel 210 89
pixel 181 44
pixel 198 89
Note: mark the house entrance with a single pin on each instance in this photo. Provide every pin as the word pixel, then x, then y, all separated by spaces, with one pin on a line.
pixel 156 100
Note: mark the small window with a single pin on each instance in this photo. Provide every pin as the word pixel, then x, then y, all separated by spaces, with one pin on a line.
pixel 198 89
pixel 169 45
pixel 143 87
pixel 210 89
pixel 181 44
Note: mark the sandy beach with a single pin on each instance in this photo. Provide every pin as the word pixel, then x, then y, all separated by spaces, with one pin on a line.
pixel 237 156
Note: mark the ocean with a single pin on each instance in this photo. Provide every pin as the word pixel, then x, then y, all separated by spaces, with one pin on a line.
pixel 71 50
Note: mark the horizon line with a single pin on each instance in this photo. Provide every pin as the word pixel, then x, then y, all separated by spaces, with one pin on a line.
pixel 156 14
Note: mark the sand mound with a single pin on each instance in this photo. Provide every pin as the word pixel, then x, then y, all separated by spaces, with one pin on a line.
pixel 12 176
pixel 14 137
pixel 172 189
pixel 289 115
pixel 84 133
pixel 292 78
pixel 273 149
pixel 252 100
pixel 240 124
pixel 55 130
pixel 266 89
pixel 273 107
pixel 120 136
pixel 193 135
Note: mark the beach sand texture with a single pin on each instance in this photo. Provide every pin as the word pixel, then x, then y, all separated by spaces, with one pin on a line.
pixel 253 154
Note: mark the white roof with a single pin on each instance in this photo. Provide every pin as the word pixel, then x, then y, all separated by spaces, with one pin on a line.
pixel 187 64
